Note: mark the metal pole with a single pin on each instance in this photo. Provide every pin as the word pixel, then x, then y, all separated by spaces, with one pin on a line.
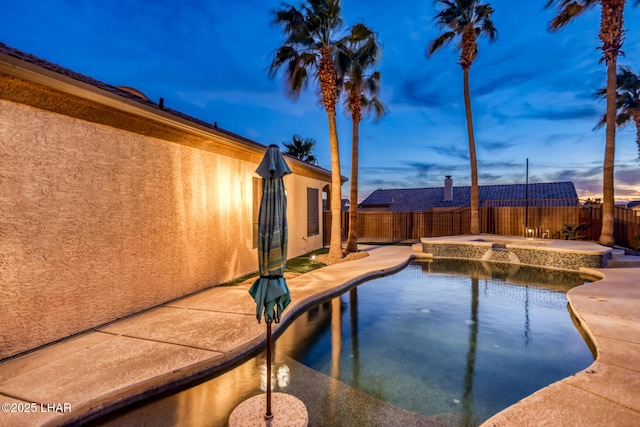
pixel 526 215
pixel 268 414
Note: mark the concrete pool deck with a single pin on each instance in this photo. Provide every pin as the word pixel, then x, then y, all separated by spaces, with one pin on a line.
pixel 198 335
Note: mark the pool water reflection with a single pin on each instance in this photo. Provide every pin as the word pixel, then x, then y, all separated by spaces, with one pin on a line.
pixel 449 342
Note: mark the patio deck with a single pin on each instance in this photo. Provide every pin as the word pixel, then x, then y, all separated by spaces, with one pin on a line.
pixel 120 363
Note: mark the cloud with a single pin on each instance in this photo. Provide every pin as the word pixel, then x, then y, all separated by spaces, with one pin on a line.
pixel 594 172
pixel 494 164
pixel 421 93
pixel 570 113
pixel 504 81
pixel 495 145
pixel 412 174
pixel 251 99
pixel 487 177
pixel 422 166
pixel 383 169
pixel 451 151
pixel 629 175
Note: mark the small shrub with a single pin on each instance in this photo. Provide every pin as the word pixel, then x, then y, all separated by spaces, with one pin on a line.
pixel 636 242
pixel 572 232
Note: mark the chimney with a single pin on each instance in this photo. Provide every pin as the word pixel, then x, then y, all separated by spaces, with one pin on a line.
pixel 448 188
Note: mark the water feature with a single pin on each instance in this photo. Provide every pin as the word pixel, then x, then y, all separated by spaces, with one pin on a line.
pixel 449 342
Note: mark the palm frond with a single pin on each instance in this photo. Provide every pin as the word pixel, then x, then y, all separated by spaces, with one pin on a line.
pixel 362 52
pixel 567 10
pixel 489 30
pixel 627 97
pixel 297 78
pixel 301 148
pixel 373 82
pixel 601 123
pixel 283 55
pixel 360 32
pixel 439 42
pixel 455 17
pixel 308 30
pixel 376 107
pixel 623 119
pixel 288 17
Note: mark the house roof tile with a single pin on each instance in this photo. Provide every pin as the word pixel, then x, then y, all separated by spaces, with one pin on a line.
pixel 422 199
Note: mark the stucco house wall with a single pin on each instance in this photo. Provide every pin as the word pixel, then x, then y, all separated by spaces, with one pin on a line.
pixel 108 208
pixel 299 241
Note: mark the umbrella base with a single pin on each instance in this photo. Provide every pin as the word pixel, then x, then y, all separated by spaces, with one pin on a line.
pixel 287 411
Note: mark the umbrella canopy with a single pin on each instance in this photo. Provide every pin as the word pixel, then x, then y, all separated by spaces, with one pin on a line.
pixel 270 291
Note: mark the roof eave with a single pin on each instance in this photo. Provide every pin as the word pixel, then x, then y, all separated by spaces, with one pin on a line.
pixel 15 67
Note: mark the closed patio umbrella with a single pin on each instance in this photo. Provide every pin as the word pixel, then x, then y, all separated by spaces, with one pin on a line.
pixel 270 290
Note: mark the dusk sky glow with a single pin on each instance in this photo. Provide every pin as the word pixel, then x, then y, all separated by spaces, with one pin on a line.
pixel 531 91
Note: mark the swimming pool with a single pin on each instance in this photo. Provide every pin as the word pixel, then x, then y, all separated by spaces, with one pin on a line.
pixel 450 342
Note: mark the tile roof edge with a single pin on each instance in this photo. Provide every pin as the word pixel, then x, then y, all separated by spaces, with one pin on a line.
pixel 36 65
pixel 469 186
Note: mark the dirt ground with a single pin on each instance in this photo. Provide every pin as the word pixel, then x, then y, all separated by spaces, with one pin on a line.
pixel 348 256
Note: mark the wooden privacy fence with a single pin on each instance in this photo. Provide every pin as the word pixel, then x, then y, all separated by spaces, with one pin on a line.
pixel 411 226
pixel 544 219
pixel 531 218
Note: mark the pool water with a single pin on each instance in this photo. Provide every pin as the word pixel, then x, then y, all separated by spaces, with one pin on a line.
pixel 437 343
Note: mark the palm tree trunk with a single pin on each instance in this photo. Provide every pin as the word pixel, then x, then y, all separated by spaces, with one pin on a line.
pixel 475 202
pixel 606 234
pixel 352 241
pixel 335 244
pixel 637 120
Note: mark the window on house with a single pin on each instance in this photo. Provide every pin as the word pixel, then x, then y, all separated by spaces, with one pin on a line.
pixel 257 194
pixel 313 212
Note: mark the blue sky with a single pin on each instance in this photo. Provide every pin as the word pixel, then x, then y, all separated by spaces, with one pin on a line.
pixel 532 90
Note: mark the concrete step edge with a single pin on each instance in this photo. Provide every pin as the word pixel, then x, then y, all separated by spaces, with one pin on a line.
pixel 617 253
pixel 624 261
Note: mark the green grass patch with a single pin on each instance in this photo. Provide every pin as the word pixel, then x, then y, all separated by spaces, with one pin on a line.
pixel 302 264
pixel 240 279
pixel 305 263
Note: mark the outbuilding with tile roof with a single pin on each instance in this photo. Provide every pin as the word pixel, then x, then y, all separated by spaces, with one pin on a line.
pixel 499 195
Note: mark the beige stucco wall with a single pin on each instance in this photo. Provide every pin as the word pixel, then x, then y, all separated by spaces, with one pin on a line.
pixel 97 223
pixel 299 242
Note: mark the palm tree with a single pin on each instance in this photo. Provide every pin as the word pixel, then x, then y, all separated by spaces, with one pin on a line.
pixel 362 90
pixel 469 20
pixel 310 51
pixel 627 100
pixel 301 149
pixel 611 35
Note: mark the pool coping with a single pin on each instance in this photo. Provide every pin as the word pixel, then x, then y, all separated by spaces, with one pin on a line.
pixel 69 371
pixel 607 392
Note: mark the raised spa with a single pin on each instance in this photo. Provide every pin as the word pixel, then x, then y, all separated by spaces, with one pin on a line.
pixel 548 253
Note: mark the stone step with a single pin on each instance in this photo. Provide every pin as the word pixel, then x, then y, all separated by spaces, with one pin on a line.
pixel 417 247
pixel 625 261
pixel 617 253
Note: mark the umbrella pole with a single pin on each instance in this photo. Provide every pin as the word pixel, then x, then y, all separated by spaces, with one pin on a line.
pixel 268 414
